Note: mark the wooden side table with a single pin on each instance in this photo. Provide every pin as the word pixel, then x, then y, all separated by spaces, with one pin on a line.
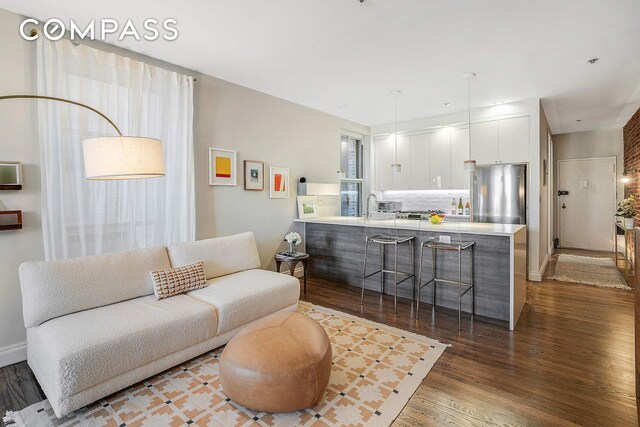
pixel 292 262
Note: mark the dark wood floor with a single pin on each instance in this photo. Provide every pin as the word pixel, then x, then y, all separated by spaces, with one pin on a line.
pixel 570 360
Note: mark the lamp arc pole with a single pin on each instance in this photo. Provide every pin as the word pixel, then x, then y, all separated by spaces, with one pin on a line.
pixel 68 101
pixel 114 157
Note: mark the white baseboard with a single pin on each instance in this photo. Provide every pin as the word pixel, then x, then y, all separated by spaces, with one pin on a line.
pixel 543 268
pixel 13 354
pixel 536 276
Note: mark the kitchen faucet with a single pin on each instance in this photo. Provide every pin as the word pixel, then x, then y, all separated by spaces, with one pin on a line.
pixel 367 206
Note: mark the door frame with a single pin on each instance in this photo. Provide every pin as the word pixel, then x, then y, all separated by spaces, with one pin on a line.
pixel 550 195
pixel 614 185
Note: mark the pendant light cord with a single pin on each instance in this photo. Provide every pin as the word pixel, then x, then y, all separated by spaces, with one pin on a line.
pixel 396 126
pixel 469 99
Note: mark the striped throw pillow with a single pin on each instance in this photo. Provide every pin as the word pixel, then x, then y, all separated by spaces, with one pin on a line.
pixel 175 281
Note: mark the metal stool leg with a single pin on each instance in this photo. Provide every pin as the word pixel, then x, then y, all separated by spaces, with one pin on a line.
pixel 473 294
pixel 419 281
pixel 364 273
pixel 412 254
pixel 381 270
pixel 395 279
pixel 459 286
pixel 434 262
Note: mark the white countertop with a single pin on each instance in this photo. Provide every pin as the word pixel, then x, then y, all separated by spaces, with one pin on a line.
pixel 408 224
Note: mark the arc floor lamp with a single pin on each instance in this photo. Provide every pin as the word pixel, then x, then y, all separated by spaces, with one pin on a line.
pixel 114 157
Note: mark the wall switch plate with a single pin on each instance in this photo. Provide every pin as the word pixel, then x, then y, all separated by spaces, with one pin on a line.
pixel 445 239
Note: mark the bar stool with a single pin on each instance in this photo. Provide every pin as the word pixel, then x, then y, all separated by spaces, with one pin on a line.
pixel 384 240
pixel 436 245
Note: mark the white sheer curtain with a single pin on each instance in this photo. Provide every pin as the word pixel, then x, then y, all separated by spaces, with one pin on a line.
pixel 81 217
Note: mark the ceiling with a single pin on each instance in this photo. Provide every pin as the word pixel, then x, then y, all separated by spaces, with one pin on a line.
pixel 345 57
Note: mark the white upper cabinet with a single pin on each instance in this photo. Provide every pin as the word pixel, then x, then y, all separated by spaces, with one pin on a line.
pixel 435 160
pixel 440 160
pixel 384 154
pixel 484 142
pixel 500 141
pixel 459 153
pixel 514 140
pixel 402 180
pixel 419 162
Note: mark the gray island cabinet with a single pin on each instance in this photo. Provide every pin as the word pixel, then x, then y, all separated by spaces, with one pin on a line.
pixel 336 246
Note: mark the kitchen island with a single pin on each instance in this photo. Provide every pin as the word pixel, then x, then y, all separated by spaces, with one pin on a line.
pixel 336 245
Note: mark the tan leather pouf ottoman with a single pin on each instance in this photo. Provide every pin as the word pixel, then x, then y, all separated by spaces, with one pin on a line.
pixel 281 364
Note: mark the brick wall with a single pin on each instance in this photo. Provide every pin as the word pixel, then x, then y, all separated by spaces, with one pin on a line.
pixel 631 135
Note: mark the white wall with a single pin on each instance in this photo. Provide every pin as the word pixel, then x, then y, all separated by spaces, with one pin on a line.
pixel 528 107
pixel 583 145
pixel 19 142
pixel 259 126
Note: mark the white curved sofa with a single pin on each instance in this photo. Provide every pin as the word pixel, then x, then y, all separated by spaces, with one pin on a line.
pixel 94 326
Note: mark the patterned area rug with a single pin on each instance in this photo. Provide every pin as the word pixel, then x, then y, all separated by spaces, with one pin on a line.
pixel 600 272
pixel 376 370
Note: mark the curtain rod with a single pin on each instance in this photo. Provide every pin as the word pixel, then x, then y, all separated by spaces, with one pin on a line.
pixel 34 32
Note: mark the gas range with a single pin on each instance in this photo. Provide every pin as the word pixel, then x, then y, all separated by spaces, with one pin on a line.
pixel 417 215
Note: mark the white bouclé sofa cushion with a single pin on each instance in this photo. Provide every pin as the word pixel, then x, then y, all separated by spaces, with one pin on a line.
pixel 55 288
pixel 248 295
pixel 83 349
pixel 221 256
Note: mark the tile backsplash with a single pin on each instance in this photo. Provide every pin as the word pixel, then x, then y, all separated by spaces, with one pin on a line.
pixel 424 200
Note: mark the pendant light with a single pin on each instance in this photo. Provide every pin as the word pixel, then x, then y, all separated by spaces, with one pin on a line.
pixel 396 167
pixel 469 165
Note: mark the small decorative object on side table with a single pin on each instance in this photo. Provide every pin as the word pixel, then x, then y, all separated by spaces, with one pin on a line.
pixel 292 260
pixel 627 210
pixel 293 239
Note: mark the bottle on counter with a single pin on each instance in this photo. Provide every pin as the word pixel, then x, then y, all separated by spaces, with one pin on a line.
pixel 467 208
pixel 460 208
pixel 454 207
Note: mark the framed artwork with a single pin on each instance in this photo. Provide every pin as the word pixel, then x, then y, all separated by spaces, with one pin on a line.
pixel 279 183
pixel 253 175
pixel 10 176
pixel 222 167
pixel 307 207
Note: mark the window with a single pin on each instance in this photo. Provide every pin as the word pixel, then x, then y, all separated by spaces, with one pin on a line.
pixel 351 164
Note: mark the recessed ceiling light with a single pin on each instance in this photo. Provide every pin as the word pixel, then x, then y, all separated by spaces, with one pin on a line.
pixel 578 120
pixel 446 104
pixel 593 60
pixel 341 105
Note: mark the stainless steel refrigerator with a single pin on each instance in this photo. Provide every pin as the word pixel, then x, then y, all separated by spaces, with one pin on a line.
pixel 499 194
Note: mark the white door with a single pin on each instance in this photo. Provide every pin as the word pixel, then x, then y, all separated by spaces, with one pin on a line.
pixel 420 162
pixel 514 140
pixel 459 153
pixel 383 158
pixel 440 159
pixel 587 211
pixel 483 143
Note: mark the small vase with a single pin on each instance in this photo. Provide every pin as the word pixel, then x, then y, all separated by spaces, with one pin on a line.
pixel 629 223
pixel 292 248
